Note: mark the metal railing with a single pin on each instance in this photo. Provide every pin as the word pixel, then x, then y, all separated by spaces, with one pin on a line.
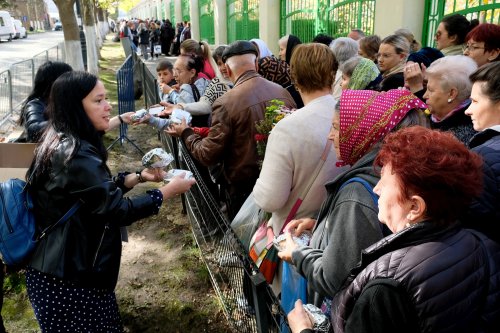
pixel 16 82
pixel 242 20
pixel 247 300
pixel 486 11
pixel 307 18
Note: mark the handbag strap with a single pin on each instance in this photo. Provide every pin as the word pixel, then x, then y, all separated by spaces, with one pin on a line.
pixel 306 189
pixel 63 219
pixel 196 92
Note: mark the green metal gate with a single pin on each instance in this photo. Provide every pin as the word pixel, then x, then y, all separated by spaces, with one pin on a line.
pixel 207 21
pixel 172 13
pixel 307 18
pixel 242 19
pixel 435 10
pixel 185 8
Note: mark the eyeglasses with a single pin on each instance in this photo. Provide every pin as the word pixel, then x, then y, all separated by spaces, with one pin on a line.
pixel 471 48
pixel 384 55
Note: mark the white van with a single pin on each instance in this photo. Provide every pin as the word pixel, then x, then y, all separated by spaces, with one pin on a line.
pixel 7 30
pixel 20 30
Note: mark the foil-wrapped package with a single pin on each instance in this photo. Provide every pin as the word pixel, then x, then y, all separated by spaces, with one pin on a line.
pixel 302 239
pixel 321 323
pixel 157 158
pixel 178 114
pixel 175 172
pixel 138 115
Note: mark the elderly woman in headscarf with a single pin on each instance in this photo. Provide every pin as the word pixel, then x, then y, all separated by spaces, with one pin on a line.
pixel 347 222
pixel 360 73
pixel 287 44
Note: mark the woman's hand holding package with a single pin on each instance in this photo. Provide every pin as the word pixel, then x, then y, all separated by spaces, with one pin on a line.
pixel 177 185
pixel 290 246
pixel 298 319
pixel 299 226
pixel 153 174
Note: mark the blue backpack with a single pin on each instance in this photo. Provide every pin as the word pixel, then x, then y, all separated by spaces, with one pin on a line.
pixel 18 231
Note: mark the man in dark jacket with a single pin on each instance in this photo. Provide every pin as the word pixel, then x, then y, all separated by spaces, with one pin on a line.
pixel 231 137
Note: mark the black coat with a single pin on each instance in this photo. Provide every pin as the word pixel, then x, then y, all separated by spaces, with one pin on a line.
pixel 86 249
pixel 35 120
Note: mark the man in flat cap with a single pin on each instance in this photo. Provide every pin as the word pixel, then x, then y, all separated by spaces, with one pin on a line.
pixel 231 137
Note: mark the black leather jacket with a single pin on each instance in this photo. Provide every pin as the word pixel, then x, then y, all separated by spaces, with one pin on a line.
pixel 86 249
pixel 35 120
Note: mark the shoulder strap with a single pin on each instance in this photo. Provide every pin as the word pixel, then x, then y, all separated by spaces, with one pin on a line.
pixel 196 92
pixel 314 175
pixel 63 219
pixel 385 230
pixel 367 185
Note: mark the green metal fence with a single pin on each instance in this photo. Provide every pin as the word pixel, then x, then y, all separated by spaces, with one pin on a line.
pixel 172 13
pixel 185 8
pixel 435 10
pixel 207 32
pixel 242 19
pixel 307 18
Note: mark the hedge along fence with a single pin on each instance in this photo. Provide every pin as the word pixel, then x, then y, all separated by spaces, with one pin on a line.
pixel 307 18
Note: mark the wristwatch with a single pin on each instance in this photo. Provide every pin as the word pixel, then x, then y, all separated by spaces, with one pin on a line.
pixel 139 177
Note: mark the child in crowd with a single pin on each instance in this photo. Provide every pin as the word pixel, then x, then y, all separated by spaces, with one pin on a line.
pixel 165 72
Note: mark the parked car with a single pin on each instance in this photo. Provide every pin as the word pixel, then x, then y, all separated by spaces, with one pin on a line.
pixel 57 26
pixel 7 30
pixel 20 30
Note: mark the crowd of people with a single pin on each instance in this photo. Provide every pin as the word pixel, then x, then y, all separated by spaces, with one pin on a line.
pixel 403 209
pixel 147 34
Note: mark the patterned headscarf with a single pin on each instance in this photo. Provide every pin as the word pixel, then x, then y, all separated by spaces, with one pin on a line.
pixel 367 116
pixel 365 72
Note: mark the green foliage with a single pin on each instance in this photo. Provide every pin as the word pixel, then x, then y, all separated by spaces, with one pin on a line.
pixel 264 126
pixel 4 4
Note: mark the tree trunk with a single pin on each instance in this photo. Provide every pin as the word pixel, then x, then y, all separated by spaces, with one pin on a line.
pixel 102 23
pixel 90 36
pixel 72 46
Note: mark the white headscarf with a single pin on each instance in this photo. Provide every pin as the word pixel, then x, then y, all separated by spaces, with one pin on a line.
pixel 263 49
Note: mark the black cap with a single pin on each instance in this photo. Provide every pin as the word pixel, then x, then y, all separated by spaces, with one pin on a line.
pixel 239 47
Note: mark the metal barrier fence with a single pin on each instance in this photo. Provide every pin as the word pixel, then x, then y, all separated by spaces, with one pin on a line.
pixel 16 83
pixel 247 300
pixel 126 101
pixel 307 18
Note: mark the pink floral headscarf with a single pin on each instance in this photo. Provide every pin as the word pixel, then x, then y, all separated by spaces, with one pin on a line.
pixel 367 116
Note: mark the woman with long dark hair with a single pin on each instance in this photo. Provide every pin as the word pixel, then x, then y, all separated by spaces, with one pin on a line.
pixel 33 115
pixel 73 272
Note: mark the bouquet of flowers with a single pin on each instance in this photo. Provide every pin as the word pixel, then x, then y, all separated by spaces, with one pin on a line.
pixel 274 113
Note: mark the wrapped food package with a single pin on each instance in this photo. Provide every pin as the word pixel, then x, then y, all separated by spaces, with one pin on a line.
pixel 178 114
pixel 175 172
pixel 302 240
pixel 157 158
pixel 138 115
pixel 321 323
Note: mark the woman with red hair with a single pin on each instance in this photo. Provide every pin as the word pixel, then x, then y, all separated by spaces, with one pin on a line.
pixel 431 275
pixel 483 43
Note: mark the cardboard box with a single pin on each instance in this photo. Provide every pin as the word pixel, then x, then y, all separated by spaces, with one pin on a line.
pixel 15 159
